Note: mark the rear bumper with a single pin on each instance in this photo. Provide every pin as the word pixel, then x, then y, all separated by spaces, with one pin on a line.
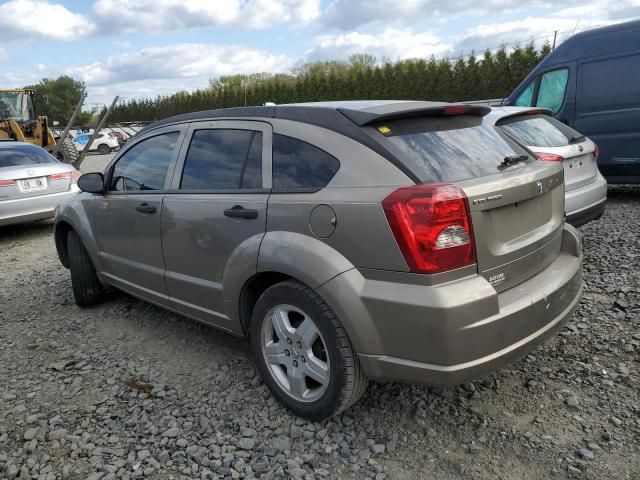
pixel 22 210
pixel 586 203
pixel 458 331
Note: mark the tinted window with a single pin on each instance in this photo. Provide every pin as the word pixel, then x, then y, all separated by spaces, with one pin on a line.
pixel 610 84
pixel 297 164
pixel 552 87
pixel 539 131
pixel 223 159
pixel 449 149
pixel 144 166
pixel 525 98
pixel 26 155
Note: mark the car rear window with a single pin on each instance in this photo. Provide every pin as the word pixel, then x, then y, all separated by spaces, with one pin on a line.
pixel 449 148
pixel 16 156
pixel 539 130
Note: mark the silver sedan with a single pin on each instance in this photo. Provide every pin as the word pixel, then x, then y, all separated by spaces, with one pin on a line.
pixel 32 183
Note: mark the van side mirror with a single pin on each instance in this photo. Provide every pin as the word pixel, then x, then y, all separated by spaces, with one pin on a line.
pixel 91 182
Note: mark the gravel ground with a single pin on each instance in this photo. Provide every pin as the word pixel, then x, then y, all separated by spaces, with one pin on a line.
pixel 127 390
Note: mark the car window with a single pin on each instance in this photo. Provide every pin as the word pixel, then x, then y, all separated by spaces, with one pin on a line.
pixel 223 159
pixel 449 148
pixel 15 156
pixel 144 166
pixel 539 131
pixel 297 164
pixel 525 98
pixel 552 88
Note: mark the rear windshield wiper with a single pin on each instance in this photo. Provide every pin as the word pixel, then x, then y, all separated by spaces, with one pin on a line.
pixel 577 139
pixel 512 160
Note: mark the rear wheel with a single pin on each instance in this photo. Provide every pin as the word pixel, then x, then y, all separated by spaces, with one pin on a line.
pixel 87 289
pixel 103 149
pixel 303 352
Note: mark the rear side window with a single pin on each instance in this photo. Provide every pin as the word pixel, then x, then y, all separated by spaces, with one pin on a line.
pixel 223 159
pixel 144 166
pixel 539 131
pixel 525 98
pixel 16 156
pixel 300 165
pixel 450 148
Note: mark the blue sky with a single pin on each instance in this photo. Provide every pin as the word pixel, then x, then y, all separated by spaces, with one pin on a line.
pixel 139 48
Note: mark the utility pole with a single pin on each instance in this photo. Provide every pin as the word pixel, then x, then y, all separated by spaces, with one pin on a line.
pixel 69 125
pixel 103 120
pixel 555 34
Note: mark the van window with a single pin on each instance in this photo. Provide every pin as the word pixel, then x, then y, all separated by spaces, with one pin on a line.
pixel 552 88
pixel 449 149
pixel 525 98
pixel 610 84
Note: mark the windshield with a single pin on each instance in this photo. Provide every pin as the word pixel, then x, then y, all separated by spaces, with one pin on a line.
pixel 15 106
pixel 539 131
pixel 23 155
pixel 449 149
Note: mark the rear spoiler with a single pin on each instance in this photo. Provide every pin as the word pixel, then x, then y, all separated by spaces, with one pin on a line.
pixel 533 111
pixel 364 117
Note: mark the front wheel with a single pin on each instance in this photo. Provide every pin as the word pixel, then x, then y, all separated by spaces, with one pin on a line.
pixel 87 289
pixel 303 352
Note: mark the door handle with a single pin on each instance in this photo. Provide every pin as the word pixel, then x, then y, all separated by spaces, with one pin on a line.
pixel 146 208
pixel 238 211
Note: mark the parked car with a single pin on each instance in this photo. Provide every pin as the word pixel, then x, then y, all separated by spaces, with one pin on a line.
pixel 404 241
pixel 32 183
pixel 120 136
pixel 553 141
pixel 590 82
pixel 104 143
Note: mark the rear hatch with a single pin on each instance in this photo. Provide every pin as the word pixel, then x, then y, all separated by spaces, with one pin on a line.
pixel 545 135
pixel 516 202
pixel 29 171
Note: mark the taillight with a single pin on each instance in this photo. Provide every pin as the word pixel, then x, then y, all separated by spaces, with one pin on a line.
pixel 550 157
pixel 7 183
pixel 432 226
pixel 596 151
pixel 71 176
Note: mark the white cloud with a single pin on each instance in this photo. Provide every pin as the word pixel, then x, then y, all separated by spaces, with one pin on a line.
pixel 39 19
pixel 392 43
pixel 166 15
pixel 160 70
pixel 349 14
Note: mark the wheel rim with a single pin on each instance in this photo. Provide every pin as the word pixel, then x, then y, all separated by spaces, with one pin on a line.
pixel 296 353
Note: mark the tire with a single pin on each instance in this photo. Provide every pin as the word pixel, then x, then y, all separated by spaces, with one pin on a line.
pixel 68 153
pixel 103 149
pixel 329 358
pixel 87 289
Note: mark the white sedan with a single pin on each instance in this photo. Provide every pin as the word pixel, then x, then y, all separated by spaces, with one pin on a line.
pixel 32 183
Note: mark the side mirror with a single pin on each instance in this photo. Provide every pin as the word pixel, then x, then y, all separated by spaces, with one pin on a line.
pixel 91 182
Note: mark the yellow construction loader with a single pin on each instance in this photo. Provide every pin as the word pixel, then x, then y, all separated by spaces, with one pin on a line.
pixel 19 122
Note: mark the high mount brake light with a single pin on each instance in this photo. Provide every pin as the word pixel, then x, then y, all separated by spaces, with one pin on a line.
pixel 550 157
pixel 432 226
pixel 455 110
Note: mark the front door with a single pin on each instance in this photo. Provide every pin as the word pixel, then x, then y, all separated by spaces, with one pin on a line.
pixel 127 216
pixel 214 217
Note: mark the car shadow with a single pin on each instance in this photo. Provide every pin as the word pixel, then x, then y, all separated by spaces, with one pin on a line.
pixel 25 230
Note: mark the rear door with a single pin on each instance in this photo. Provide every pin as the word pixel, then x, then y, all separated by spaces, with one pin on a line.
pixel 127 216
pixel 516 203
pixel 544 134
pixel 214 216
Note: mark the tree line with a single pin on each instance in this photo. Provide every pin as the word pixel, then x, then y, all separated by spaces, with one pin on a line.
pixel 492 75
